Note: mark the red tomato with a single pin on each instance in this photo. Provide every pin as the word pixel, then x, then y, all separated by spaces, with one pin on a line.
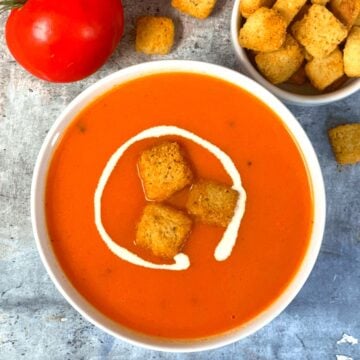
pixel 64 40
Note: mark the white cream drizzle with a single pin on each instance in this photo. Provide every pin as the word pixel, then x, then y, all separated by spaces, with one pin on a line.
pixel 182 262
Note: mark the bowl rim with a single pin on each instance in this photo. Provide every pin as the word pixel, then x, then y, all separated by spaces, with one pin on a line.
pixel 287 96
pixel 44 244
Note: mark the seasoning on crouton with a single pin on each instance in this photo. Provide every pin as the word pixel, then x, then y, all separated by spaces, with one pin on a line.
pixel 347 11
pixel 247 7
pixel 289 8
pixel 279 65
pixel 345 142
pixel 164 170
pixel 320 2
pixel 163 230
pixel 200 9
pixel 323 72
pixel 264 30
pixel 299 77
pixel 320 32
pixel 352 53
pixel 154 35
pixel 212 203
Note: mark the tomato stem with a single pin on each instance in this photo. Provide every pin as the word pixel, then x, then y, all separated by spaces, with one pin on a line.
pixel 6 5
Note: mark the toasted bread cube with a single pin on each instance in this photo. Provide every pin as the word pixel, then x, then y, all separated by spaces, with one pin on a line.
pixel 345 142
pixel 289 8
pixel 323 72
pixel 163 230
pixel 320 2
pixel 154 35
pixel 212 203
pixel 357 21
pixel 352 53
pixel 320 32
pixel 247 7
pixel 200 9
pixel 264 30
pixel 299 77
pixel 279 65
pixel 347 11
pixel 164 170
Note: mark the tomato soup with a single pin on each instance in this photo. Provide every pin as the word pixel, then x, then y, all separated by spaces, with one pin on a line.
pixel 210 297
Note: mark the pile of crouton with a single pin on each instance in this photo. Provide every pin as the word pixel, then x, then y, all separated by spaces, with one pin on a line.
pixel 299 40
pixel 164 170
pixel 155 35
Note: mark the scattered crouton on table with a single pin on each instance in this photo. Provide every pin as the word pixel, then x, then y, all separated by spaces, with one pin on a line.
pixel 279 65
pixel 323 72
pixel 264 30
pixel 345 142
pixel 154 35
pixel 320 32
pixel 347 11
pixel 163 230
pixel 212 203
pixel 200 9
pixel 247 7
pixel 164 170
pixel 352 53
pixel 289 8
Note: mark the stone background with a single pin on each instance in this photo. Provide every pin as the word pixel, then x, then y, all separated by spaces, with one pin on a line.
pixel 35 320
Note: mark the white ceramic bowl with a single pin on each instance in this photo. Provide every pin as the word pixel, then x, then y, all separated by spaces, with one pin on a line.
pixel 292 94
pixel 44 244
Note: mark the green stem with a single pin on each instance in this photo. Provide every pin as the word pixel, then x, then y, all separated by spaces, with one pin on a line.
pixel 6 5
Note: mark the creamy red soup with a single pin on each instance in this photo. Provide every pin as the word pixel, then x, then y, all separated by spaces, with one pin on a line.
pixel 210 297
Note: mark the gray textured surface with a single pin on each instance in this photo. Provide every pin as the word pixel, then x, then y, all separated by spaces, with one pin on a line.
pixel 37 323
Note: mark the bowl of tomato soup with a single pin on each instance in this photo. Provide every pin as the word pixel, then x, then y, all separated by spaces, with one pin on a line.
pixel 227 281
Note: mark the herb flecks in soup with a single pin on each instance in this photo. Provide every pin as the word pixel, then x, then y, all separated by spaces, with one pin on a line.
pixel 211 296
pixel 182 261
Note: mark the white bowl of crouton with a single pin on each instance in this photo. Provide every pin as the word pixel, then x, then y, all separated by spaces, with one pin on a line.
pixel 153 190
pixel 306 52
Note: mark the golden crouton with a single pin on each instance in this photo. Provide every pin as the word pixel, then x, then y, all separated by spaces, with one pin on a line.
pixel 319 31
pixel 163 230
pixel 247 7
pixel 212 203
pixel 352 53
pixel 320 2
pixel 277 66
pixel 163 170
pixel 289 8
pixel 345 142
pixel 299 77
pixel 357 21
pixel 264 30
pixel 323 72
pixel 347 11
pixel 200 9
pixel 154 35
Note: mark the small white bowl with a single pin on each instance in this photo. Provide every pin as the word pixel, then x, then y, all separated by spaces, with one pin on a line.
pixel 292 94
pixel 44 244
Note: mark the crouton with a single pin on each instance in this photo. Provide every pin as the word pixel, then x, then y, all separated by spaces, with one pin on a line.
pixel 345 142
pixel 320 2
pixel 352 53
pixel 277 66
pixel 357 21
pixel 320 32
pixel 299 77
pixel 323 72
pixel 264 30
pixel 289 8
pixel 347 11
pixel 212 203
pixel 163 230
pixel 200 9
pixel 247 7
pixel 154 35
pixel 164 170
